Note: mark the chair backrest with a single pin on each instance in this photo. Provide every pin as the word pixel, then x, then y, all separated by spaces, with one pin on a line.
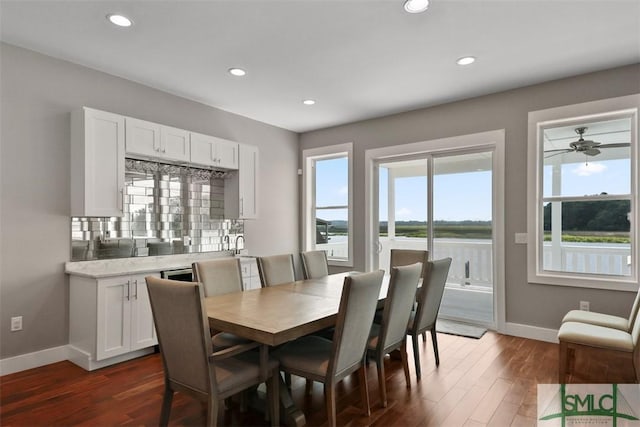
pixel 355 316
pixel 397 307
pixel 314 264
pixel 634 311
pixel 276 269
pixel 183 332
pixel 431 295
pixel 400 257
pixel 218 276
pixel 635 339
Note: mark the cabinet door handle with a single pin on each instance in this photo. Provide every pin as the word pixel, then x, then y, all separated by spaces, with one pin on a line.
pixel 121 200
pixel 128 290
pixel 241 206
pixel 135 283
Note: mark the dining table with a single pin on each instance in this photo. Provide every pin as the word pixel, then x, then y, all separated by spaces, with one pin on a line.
pixel 278 314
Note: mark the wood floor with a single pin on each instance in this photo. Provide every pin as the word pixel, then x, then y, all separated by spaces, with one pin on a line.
pixel 490 381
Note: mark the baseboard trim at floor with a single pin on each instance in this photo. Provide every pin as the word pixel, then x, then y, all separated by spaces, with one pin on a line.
pixel 36 359
pixel 86 362
pixel 531 332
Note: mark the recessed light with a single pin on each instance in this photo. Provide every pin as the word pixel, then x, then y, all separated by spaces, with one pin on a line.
pixel 466 60
pixel 416 6
pixel 119 20
pixel 308 102
pixel 238 72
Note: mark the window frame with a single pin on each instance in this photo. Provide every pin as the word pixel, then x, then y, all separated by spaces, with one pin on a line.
pixel 309 157
pixel 627 106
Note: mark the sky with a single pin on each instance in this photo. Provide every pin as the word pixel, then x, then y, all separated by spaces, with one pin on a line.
pixel 461 196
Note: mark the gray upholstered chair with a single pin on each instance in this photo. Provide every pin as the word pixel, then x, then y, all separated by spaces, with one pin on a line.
pixel 400 257
pixel 606 320
pixel 329 362
pixel 429 298
pixel 219 277
pixel 276 270
pixel 392 333
pixel 314 264
pixel 600 342
pixel 190 365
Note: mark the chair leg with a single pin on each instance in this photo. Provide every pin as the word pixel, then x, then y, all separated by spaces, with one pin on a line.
pixel 287 380
pixel 273 394
pixel 563 362
pixel 416 354
pixel 212 412
pixel 571 357
pixel 434 340
pixel 167 398
pixel 330 399
pixel 364 390
pixel 405 362
pixel 381 381
pixel 308 387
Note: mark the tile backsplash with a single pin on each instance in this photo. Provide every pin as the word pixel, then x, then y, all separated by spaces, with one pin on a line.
pixel 168 209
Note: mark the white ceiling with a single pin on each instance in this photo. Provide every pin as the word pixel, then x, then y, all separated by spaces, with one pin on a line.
pixel 358 58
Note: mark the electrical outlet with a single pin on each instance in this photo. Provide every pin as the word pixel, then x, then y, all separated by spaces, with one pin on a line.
pixel 16 323
pixel 584 305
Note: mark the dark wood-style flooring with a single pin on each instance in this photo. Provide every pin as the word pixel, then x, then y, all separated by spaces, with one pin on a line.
pixel 490 381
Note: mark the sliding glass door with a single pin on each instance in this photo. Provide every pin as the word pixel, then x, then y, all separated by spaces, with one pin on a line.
pixel 443 203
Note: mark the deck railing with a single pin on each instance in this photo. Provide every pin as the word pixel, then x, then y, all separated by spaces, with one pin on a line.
pixel 472 258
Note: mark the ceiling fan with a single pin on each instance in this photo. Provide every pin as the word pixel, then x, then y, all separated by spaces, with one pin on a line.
pixel 586 146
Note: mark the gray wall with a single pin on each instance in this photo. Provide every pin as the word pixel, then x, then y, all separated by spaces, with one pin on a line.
pixel 530 304
pixel 38 93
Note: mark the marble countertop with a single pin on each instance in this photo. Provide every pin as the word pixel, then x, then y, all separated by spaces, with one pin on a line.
pixel 123 266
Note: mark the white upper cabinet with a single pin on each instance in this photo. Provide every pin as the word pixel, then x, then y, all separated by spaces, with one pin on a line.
pixel 248 182
pixel 97 163
pixel 175 144
pixel 241 190
pixel 211 151
pixel 152 140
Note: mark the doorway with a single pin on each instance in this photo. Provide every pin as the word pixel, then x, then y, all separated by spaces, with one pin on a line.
pixel 444 201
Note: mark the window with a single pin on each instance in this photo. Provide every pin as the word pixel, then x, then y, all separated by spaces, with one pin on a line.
pixel 327 202
pixel 583 195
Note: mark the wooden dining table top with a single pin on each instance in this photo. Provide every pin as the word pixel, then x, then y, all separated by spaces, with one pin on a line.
pixel 278 314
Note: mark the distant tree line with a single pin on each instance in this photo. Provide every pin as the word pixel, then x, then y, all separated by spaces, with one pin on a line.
pixel 604 215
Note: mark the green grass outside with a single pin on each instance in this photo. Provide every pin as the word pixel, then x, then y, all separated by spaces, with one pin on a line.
pixel 466 231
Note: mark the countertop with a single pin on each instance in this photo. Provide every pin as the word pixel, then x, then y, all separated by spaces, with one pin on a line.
pixel 137 265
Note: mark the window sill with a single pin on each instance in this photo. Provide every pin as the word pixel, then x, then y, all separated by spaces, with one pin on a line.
pixel 612 283
pixel 340 263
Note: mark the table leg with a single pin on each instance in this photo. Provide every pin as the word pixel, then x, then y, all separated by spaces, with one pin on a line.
pixel 291 415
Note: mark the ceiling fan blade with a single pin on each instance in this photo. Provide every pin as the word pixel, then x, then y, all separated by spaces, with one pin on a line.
pixel 556 152
pixel 564 150
pixel 591 152
pixel 616 145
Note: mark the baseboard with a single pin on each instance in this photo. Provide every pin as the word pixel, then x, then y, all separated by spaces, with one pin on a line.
pixel 86 362
pixel 531 332
pixel 36 359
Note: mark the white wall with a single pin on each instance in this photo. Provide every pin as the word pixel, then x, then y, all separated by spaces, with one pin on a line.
pixel 38 93
pixel 526 303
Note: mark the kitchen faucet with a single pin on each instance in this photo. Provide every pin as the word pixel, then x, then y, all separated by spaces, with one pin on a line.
pixel 238 238
pixel 226 240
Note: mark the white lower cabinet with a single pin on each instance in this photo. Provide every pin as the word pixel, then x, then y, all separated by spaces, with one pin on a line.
pixel 110 320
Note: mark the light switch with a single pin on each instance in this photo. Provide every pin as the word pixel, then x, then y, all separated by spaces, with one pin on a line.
pixel 521 238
